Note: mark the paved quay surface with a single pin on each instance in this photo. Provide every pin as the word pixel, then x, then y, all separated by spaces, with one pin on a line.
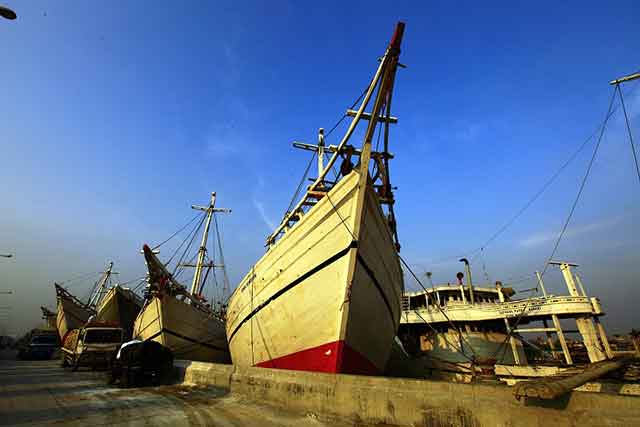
pixel 41 393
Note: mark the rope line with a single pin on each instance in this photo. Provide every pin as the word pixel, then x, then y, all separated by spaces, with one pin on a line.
pixel 626 118
pixel 437 305
pixel 548 183
pixel 177 232
pixel 582 185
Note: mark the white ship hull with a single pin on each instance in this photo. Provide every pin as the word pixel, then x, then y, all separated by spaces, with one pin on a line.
pixel 189 332
pixel 304 306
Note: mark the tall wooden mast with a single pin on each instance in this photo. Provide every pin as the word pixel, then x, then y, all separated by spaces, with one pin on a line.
pixel 95 299
pixel 195 285
pixel 383 80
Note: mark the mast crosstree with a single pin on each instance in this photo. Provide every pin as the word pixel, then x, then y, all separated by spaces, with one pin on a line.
pixel 197 284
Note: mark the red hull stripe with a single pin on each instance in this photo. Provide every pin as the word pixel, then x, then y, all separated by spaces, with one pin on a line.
pixel 335 357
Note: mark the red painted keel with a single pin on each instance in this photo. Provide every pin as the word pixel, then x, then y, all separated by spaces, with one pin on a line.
pixel 335 357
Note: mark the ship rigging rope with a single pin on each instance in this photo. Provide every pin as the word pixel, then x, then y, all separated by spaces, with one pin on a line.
pixel 344 116
pixel 546 185
pixel 304 177
pixel 190 237
pixel 226 284
pixel 601 129
pixel 177 232
pixel 133 280
pixel 196 227
pixel 582 184
pixel 326 135
pixel 626 119
pixel 76 278
pixel 426 293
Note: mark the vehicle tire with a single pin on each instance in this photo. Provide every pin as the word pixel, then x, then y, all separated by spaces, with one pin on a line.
pixel 64 362
pixel 76 364
pixel 124 378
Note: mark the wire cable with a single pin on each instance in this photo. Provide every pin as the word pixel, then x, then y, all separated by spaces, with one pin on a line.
pixel 626 118
pixel 582 185
pixel 546 185
pixel 177 232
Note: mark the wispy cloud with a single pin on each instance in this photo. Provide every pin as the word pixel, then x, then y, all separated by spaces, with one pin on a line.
pixel 259 205
pixel 538 238
pixel 263 214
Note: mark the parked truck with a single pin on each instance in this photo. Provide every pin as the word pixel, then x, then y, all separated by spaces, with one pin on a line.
pixel 92 345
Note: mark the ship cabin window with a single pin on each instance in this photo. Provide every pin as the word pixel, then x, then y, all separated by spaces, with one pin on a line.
pixel 417 302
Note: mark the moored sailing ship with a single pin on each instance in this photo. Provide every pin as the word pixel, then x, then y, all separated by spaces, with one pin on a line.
pixel 326 295
pixel 178 318
pixel 120 305
pixel 72 312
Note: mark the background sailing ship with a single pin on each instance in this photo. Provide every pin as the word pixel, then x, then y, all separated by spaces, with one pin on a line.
pixel 73 312
pixel 107 302
pixel 182 319
pixel 326 295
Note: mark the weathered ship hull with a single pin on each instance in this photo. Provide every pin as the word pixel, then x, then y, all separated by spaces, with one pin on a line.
pixel 71 313
pixel 189 332
pixel 451 347
pixel 120 305
pixel 318 300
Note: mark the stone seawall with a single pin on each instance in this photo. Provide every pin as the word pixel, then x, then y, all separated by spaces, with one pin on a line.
pixel 397 401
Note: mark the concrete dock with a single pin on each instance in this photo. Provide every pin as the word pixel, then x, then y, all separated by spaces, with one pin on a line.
pixel 41 393
pixel 367 400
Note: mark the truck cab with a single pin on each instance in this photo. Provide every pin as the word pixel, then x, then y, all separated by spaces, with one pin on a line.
pixel 92 346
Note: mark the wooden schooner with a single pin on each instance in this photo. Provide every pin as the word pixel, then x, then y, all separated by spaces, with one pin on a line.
pixel 180 319
pixel 326 295
pixel 120 305
pixel 72 312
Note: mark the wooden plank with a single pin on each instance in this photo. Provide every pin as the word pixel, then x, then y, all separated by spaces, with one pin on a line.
pixel 367 116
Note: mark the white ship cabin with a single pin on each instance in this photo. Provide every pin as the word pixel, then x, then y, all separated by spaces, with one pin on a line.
pixel 448 295
pixel 485 309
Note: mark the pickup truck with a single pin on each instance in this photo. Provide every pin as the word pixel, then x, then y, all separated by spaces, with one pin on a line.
pixel 93 346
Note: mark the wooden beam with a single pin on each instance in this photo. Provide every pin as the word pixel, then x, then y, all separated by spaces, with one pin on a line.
pixel 334 148
pixel 367 116
pixel 535 330
pixel 625 79
pixel 552 388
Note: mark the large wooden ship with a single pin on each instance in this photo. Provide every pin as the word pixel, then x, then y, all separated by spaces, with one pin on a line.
pixel 72 312
pixel 120 305
pixel 326 295
pixel 178 318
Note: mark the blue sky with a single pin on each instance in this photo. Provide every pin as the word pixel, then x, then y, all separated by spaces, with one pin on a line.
pixel 117 116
